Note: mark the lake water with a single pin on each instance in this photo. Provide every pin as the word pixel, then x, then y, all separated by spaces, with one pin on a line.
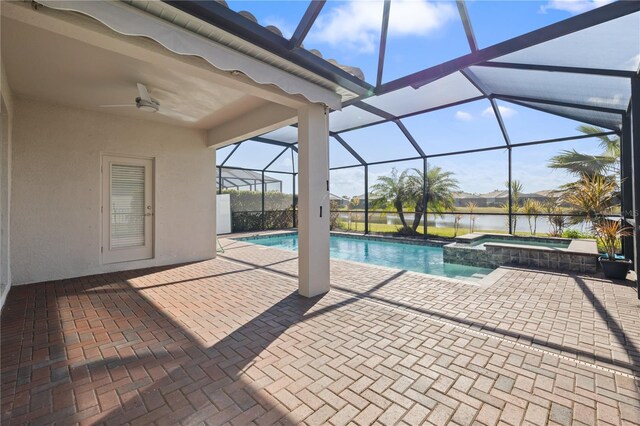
pixel 482 222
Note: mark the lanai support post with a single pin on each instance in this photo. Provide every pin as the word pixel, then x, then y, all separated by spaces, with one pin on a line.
pixel 511 230
pixel 425 202
pixel 635 170
pixel 262 201
pixel 293 186
pixel 366 199
pixel 626 182
pixel 313 199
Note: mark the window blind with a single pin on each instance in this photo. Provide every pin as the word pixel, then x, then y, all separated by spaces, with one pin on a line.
pixel 127 206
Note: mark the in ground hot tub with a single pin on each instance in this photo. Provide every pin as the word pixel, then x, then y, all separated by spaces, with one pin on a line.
pixel 494 250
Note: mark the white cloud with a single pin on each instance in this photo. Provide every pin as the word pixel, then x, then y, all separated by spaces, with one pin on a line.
pixel 573 6
pixel 463 116
pixel 356 24
pixel 418 17
pixel 283 164
pixel 505 112
pixel 348 182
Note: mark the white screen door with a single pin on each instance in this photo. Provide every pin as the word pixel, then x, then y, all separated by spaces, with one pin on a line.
pixel 127 209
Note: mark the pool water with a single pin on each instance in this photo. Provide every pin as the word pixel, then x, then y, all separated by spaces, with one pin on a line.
pixel 410 257
pixel 480 243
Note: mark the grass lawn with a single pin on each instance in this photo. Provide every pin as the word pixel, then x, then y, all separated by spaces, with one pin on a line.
pixel 432 231
pixel 459 209
pixel 392 229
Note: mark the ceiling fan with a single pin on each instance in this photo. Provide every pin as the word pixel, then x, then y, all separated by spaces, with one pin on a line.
pixel 145 102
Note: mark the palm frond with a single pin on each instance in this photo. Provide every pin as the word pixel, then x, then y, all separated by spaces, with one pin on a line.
pixel 580 164
pixel 611 146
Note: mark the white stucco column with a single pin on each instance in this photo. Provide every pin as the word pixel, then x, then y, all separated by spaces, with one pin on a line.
pixel 313 200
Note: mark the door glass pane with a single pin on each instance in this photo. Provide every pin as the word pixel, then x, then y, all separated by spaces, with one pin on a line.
pixel 127 206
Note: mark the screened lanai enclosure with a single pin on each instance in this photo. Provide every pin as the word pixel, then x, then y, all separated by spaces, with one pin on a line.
pixel 494 133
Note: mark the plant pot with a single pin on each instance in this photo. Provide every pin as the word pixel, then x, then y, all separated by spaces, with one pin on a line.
pixel 617 269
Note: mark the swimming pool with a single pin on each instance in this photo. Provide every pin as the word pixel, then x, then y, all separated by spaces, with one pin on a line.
pixel 411 257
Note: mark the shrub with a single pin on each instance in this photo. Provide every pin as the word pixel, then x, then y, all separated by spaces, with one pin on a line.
pixel 406 231
pixel 609 233
pixel 252 221
pixel 246 210
pixel 251 201
pixel 334 216
pixel 574 233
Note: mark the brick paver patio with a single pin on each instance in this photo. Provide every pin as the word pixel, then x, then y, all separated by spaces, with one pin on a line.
pixel 229 340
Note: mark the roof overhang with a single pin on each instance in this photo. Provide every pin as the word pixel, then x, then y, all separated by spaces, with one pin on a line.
pixel 131 21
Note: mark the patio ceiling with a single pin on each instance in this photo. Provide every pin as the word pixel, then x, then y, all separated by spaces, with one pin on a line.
pixel 53 73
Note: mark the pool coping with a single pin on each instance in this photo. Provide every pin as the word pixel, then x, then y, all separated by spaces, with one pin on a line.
pixel 580 255
pixel 401 240
pixel 488 280
pixel 579 246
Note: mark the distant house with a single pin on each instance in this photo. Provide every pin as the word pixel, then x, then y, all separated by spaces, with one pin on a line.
pixel 340 201
pixel 495 198
pixel 462 199
pixel 372 198
pixel 344 201
pixel 499 198
pixel 549 193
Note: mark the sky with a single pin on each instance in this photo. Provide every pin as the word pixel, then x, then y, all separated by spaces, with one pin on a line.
pixel 423 33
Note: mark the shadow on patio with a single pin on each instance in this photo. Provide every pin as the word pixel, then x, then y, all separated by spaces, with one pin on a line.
pixel 633 365
pixel 96 349
pixel 143 346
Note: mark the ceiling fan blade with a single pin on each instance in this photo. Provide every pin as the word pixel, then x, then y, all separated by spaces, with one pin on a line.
pixel 144 93
pixel 117 106
pixel 174 114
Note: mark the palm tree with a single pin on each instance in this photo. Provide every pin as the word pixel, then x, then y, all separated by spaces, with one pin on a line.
pixel 591 196
pixel 516 191
pixel 392 189
pixel 583 193
pixel 472 218
pixel 532 208
pixel 353 203
pixel 556 221
pixel 440 188
pixel 606 163
pixel 456 224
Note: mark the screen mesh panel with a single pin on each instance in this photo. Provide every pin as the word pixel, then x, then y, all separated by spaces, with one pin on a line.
pixel 468 126
pixel 604 119
pixel 594 90
pixel 452 88
pixel 589 48
pixel 286 134
pixel 351 117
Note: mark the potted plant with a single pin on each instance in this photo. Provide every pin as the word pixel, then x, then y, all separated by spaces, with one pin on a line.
pixel 609 233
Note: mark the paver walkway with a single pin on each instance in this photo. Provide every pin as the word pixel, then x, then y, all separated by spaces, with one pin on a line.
pixel 229 340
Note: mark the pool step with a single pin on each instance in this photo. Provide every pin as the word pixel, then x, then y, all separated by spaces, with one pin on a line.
pixel 475 277
pixel 480 276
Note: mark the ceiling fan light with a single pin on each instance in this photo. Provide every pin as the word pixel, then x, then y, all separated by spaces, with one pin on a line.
pixel 148 108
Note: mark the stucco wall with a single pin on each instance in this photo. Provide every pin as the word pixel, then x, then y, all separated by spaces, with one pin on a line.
pixel 56 198
pixel 6 126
